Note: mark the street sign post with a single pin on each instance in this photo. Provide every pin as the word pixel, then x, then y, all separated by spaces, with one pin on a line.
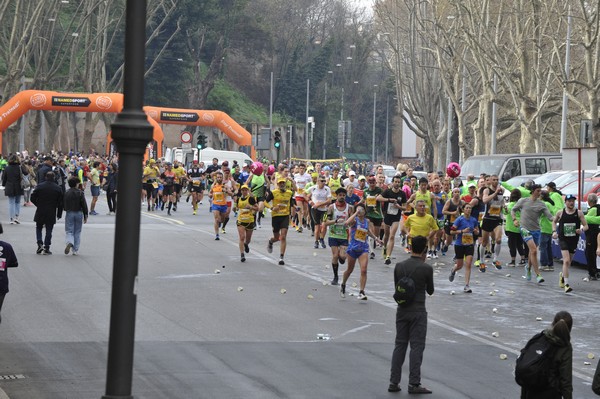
pixel 186 137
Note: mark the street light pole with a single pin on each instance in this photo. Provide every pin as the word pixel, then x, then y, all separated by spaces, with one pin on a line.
pixel 306 138
pixel 325 126
pixel 131 132
pixel 373 141
pixel 387 127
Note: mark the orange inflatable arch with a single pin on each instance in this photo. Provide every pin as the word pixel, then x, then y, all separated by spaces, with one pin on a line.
pixel 27 100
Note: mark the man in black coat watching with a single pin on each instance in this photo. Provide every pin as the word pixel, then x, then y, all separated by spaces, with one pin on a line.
pixel 44 168
pixel 48 198
pixel 411 319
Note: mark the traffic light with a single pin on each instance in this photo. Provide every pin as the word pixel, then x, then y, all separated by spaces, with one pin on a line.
pixel 277 139
pixel 201 143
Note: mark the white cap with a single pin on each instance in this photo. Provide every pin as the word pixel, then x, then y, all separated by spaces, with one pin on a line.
pixel 352 173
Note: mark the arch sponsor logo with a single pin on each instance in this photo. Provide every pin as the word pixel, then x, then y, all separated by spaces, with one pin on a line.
pixel 38 100
pixel 176 116
pixel 153 114
pixel 104 102
pixel 208 117
pixel 64 101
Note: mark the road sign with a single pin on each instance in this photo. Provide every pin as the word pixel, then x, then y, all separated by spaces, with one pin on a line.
pixel 186 137
pixel 185 146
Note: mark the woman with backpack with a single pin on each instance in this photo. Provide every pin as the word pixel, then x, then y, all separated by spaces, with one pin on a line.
pixel 559 383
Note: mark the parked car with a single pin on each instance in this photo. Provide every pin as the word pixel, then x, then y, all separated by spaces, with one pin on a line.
pixel 546 178
pixel 506 166
pixel 589 186
pixel 571 176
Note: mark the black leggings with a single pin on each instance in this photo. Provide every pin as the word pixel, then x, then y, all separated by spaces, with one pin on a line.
pixel 516 244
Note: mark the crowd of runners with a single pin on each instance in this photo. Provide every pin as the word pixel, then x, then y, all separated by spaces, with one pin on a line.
pixel 358 213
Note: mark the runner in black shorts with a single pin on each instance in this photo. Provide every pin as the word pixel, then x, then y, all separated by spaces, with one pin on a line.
pixel 393 200
pixel 567 226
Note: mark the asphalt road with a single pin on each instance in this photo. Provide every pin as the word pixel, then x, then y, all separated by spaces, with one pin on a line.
pixel 209 326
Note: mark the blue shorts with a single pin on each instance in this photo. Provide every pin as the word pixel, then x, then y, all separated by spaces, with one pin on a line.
pixel 219 208
pixel 95 191
pixel 337 242
pixel 532 235
pixel 356 252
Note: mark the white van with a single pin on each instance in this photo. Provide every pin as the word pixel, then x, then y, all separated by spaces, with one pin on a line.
pixel 506 166
pixel 206 155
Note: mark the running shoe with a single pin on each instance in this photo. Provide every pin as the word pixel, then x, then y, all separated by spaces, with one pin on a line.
pixel 223 230
pixel 193 213
pixel 281 262
pixel 480 265
pixel 270 247
pixel 316 244
pixel 47 252
pixel 498 265
pixel 217 238
pixel 299 229
pixel 334 281
pixel 394 388
pixel 429 254
pixel 550 269
pixel 568 288
pixel 527 272
pixel 342 261
pixel 387 260
pixel 322 241
pixel 40 249
pixel 243 259
pixel 435 255
pixel 452 275
pixel 246 248
pixel 561 280
pixel 372 256
pixel 418 389
pixel 444 249
pixel 523 261
pixel 343 290
pixel 362 296
pixel 539 279
pixel 467 289
pixel 511 264
pixel 17 220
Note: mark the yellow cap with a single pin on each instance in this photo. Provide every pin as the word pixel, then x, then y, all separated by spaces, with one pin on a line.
pixel 315 174
pixel 152 161
pixel 281 179
pixel 245 187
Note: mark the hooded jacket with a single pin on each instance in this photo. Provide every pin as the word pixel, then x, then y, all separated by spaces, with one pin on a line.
pixel 561 385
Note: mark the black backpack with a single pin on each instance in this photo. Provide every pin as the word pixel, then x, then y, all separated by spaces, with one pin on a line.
pixel 405 291
pixel 533 369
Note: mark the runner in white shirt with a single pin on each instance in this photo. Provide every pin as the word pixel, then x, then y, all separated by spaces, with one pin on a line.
pixel 302 178
pixel 320 199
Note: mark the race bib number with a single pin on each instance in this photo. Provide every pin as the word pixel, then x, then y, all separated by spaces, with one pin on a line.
pixel 452 218
pixel 392 209
pixel 360 235
pixel 196 181
pixel 2 264
pixel 371 201
pixel 569 229
pixel 525 233
pixel 440 223
pixel 282 207
pixel 495 210
pixel 245 216
pixel 219 197
pixel 155 185
pixel 467 238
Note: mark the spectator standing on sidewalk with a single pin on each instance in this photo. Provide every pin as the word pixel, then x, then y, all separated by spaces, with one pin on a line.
pixel 11 180
pixel 76 210
pixel 48 198
pixel 592 218
pixel 111 188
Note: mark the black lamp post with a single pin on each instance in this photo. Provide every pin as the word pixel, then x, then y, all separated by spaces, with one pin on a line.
pixel 131 132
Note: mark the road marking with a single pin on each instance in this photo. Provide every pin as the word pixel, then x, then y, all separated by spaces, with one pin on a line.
pixel 163 218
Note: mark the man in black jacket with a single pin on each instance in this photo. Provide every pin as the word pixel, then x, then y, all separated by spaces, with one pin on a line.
pixel 48 198
pixel 7 259
pixel 411 319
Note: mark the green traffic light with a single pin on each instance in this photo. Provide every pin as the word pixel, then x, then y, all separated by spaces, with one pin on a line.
pixel 277 144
